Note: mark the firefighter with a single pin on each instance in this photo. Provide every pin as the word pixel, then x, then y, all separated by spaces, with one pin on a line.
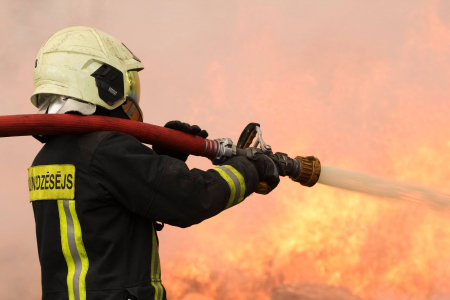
pixel 98 199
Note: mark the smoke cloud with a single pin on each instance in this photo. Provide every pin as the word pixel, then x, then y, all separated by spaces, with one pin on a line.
pixel 363 85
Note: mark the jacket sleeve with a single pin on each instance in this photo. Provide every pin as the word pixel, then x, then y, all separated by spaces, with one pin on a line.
pixel 162 188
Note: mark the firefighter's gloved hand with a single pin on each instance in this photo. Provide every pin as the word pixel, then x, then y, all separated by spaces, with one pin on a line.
pixel 186 128
pixel 267 169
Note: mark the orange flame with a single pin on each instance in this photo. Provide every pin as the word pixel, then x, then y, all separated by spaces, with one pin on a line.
pixel 379 249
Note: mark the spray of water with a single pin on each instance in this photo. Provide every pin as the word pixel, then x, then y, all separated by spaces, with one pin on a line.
pixel 362 183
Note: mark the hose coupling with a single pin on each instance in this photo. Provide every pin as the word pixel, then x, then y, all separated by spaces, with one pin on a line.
pixel 226 149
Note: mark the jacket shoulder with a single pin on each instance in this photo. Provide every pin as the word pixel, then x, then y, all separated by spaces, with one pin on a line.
pixel 109 141
pixel 90 142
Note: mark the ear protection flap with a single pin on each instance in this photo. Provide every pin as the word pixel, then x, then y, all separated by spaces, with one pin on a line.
pixel 110 84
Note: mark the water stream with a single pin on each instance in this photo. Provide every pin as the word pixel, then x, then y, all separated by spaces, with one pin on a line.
pixel 371 185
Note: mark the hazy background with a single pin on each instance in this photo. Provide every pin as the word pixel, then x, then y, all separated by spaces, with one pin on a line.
pixel 363 85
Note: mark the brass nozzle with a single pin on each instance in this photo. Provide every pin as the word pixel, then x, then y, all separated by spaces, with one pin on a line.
pixel 309 171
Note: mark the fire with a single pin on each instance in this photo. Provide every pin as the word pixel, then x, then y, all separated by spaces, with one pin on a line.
pixel 379 249
pixel 375 248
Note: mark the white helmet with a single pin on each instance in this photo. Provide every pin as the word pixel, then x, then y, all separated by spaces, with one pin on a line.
pixel 86 67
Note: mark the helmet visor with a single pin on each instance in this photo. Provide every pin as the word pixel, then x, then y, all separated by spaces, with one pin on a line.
pixel 133 93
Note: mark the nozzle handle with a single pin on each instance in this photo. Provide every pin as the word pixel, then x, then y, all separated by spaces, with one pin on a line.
pixel 247 136
pixel 245 140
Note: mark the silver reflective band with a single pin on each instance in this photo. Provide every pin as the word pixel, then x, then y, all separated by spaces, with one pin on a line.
pixel 73 250
pixel 236 182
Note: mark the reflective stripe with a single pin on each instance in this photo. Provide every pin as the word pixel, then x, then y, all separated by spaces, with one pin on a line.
pixel 66 249
pixel 73 250
pixel 241 182
pixel 235 182
pixel 81 251
pixel 155 269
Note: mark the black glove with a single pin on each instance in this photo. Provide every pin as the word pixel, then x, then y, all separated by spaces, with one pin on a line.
pixel 183 127
pixel 267 168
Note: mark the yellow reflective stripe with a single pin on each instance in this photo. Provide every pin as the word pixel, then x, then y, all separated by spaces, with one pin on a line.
pixel 66 249
pixel 230 184
pixel 73 250
pixel 155 269
pixel 81 250
pixel 158 283
pixel 241 181
pixel 156 289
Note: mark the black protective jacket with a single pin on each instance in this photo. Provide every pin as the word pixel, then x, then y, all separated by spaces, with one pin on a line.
pixel 96 198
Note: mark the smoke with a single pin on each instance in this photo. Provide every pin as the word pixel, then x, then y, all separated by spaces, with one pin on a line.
pixel 363 85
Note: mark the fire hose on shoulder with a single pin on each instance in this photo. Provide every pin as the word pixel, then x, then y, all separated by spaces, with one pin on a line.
pixel 304 170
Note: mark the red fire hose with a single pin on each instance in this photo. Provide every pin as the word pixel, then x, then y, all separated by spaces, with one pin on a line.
pixel 66 124
pixel 305 170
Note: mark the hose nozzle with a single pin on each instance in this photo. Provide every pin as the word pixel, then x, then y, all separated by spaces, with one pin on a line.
pixel 305 170
pixel 309 171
